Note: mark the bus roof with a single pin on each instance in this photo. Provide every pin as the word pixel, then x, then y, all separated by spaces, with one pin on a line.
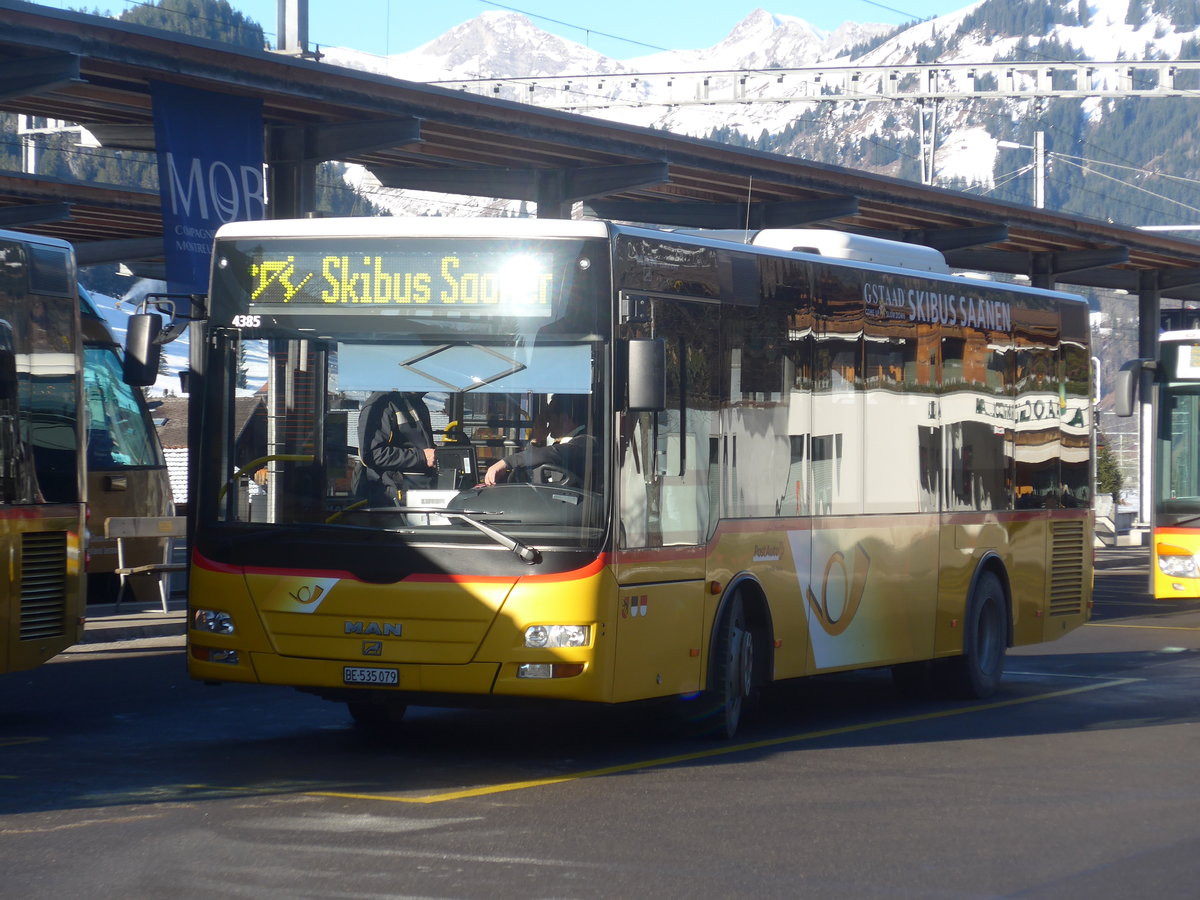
pixel 859 251
pixel 1185 334
pixel 414 226
pixel 36 239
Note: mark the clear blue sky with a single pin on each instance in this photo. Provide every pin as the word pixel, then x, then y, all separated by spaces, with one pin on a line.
pixel 395 26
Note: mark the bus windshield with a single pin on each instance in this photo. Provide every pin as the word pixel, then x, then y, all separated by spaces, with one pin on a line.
pixel 118 433
pixel 350 409
pixel 1178 463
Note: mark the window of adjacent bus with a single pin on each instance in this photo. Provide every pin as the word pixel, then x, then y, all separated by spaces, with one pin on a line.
pixel 39 388
pixel 51 386
pixel 118 436
pixel 1178 463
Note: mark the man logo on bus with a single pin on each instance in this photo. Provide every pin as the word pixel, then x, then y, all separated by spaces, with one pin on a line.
pixel 836 617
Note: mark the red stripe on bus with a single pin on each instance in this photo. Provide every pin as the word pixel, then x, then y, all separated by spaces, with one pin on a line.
pixel 203 562
pixel 592 568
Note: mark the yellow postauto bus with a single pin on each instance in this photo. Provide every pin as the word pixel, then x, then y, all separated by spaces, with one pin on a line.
pixel 1174 382
pixel 126 470
pixel 790 452
pixel 42 520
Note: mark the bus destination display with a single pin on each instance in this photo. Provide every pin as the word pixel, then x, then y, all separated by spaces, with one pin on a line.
pixel 470 281
pixel 1187 361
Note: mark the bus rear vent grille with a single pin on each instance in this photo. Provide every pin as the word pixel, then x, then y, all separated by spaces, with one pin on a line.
pixel 43 584
pixel 1069 544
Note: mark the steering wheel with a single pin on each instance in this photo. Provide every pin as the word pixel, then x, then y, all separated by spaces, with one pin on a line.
pixel 554 476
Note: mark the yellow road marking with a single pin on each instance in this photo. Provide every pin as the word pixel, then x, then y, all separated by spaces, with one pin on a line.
pixel 17 741
pixel 716 751
pixel 1156 627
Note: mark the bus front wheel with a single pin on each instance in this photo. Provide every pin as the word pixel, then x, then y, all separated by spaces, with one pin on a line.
pixel 733 678
pixel 976 674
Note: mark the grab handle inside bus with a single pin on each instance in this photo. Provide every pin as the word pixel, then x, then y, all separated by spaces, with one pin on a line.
pixel 142 349
pixel 647 375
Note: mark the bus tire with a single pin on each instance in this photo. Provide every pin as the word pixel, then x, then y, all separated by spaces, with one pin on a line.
pixel 733 676
pixel 976 673
pixel 376 718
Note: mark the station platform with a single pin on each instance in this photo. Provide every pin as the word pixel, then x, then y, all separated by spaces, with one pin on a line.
pixel 134 620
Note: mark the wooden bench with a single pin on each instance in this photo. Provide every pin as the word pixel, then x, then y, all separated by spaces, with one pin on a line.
pixel 146 528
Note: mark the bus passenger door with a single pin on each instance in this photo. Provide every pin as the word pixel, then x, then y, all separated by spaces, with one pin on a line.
pixel 663 517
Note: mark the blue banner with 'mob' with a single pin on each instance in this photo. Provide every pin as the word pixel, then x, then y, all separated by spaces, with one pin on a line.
pixel 210 171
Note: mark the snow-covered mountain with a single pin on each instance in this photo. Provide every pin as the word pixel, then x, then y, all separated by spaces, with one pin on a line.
pixel 507 45
pixel 875 136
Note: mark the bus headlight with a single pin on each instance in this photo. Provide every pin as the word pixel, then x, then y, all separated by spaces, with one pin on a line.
pixel 1176 562
pixel 212 620
pixel 215 655
pixel 548 636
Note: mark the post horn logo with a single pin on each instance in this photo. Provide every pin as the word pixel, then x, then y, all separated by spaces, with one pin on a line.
pixel 836 621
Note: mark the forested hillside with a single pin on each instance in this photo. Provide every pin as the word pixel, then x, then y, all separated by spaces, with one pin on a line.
pixel 1130 161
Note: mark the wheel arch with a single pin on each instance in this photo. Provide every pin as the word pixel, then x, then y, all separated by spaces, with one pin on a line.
pixel 758 618
pixel 991 563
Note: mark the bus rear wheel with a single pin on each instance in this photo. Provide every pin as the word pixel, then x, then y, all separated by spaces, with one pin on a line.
pixel 976 674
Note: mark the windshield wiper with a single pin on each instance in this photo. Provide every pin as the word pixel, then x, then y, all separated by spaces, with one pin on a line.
pixel 522 551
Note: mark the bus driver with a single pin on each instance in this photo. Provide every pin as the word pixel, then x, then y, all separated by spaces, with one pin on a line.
pixel 569 452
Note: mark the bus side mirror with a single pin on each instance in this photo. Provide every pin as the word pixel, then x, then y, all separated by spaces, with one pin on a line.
pixel 647 375
pixel 142 349
pixel 1126 390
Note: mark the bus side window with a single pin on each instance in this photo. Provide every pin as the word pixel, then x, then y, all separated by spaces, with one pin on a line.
pixel 664 455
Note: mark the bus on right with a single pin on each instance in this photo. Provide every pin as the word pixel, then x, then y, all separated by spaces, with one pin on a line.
pixel 1175 459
